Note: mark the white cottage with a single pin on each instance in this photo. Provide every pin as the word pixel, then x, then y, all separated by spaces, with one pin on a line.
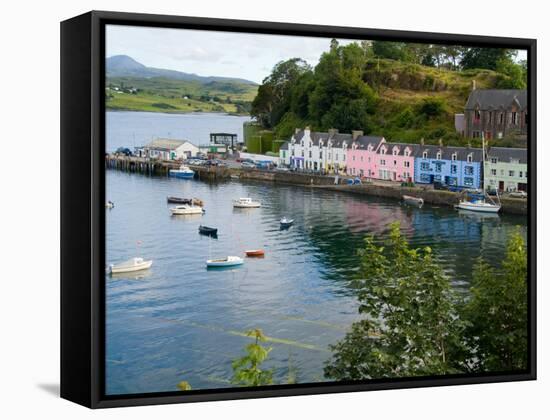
pixel 170 149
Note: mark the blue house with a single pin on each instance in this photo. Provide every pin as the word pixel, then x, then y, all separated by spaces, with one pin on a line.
pixel 451 166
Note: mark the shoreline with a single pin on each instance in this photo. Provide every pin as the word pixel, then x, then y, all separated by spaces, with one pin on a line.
pixel 514 206
pixel 163 111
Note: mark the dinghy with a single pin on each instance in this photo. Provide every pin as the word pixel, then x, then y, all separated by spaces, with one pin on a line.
pixel 133 264
pixel 285 222
pixel 186 210
pixel 255 253
pixel 181 200
pixel 229 261
pixel 415 201
pixel 208 231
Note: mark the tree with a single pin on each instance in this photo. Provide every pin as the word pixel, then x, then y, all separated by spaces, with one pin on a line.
pixel 497 312
pixel 246 370
pixel 410 327
pixel 389 49
pixel 484 58
pixel 513 75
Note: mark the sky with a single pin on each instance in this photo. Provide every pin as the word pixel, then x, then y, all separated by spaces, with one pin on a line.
pixel 208 53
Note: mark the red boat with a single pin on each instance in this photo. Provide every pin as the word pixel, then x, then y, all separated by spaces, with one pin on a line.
pixel 255 253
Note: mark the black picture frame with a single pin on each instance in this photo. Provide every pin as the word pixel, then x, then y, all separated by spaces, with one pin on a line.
pixel 83 212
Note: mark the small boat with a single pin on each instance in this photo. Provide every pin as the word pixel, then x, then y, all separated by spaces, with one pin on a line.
pixel 285 222
pixel 186 209
pixel 109 205
pixel 415 201
pixel 133 264
pixel 230 261
pixel 255 253
pixel 183 172
pixel 181 200
pixel 209 231
pixel 478 205
pixel 246 203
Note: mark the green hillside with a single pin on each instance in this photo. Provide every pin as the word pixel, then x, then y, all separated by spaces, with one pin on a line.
pixel 170 95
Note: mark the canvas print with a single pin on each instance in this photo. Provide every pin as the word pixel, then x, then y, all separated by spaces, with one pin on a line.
pixel 302 210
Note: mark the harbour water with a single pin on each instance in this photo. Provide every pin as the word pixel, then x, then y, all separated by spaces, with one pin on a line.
pixel 179 321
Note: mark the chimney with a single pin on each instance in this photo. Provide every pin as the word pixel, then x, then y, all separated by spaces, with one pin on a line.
pixel 422 141
pixel 356 133
pixel 440 142
pixel 473 84
pixel 332 131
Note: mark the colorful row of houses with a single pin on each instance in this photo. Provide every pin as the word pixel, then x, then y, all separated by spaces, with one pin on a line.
pixel 373 157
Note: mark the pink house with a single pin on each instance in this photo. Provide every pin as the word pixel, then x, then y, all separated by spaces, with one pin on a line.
pixel 395 162
pixel 361 159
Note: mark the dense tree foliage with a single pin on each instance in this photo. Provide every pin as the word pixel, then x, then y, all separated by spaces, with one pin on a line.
pixel 497 312
pixel 247 370
pixel 414 324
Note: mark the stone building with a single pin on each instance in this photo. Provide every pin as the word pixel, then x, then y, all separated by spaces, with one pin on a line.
pixel 496 113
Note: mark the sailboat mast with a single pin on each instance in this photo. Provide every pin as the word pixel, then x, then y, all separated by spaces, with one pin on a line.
pixel 483 161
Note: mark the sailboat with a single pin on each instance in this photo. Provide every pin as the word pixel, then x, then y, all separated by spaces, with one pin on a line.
pixel 480 204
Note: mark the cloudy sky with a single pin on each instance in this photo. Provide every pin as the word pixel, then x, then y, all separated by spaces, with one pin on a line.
pixel 207 53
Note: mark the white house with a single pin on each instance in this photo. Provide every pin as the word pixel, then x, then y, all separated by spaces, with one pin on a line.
pixel 170 149
pixel 284 154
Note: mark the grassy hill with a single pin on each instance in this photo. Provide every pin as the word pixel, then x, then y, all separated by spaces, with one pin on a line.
pixel 159 94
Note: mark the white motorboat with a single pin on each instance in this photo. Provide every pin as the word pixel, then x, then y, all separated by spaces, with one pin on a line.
pixel 478 205
pixel 183 172
pixel 133 264
pixel 229 261
pixel 285 222
pixel 415 201
pixel 186 209
pixel 246 203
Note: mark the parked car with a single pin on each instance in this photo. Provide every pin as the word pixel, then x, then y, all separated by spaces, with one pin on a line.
pixel 492 192
pixel 518 194
pixel 123 151
pixel 248 165
pixel 282 169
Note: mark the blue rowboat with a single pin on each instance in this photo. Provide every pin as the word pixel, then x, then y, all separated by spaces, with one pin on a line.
pixel 183 172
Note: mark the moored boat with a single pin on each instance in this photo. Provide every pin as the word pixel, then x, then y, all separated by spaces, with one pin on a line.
pixel 285 222
pixel 255 253
pixel 182 172
pixel 182 200
pixel 133 264
pixel 209 231
pixel 245 203
pixel 415 201
pixel 478 205
pixel 229 261
pixel 186 209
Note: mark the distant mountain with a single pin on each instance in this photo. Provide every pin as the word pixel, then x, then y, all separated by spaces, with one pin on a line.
pixel 125 66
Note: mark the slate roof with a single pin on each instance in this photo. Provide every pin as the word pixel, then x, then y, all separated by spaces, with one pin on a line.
pixel 165 144
pixel 447 152
pixel 284 146
pixel 505 154
pixel 338 139
pixel 496 98
pixel 402 147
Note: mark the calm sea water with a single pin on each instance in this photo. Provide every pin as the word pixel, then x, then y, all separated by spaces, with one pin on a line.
pixel 179 321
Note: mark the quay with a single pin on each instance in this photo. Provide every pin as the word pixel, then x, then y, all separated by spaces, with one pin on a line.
pixel 328 182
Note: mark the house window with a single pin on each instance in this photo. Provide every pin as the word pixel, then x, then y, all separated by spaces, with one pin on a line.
pixel 521 174
pixel 394 163
pixel 453 169
pixel 284 154
pixel 310 144
pixel 494 160
pixel 501 118
pixel 361 158
pixel 477 115
pixel 451 181
pixel 407 152
pixel 395 151
pixel 453 156
pixel 490 117
pixel 475 134
pixel 302 153
pixel 425 166
pixel 438 167
pixel 468 181
pixel 320 154
pixel 468 170
pixel 438 156
pixel 512 173
pixel 494 172
pixel 425 178
pixel 302 143
pixel 353 158
pixel 336 157
pixel 407 164
pixel 469 158
pixel 293 152
pixel 382 162
pixel 514 118
pixel 425 155
pixel 310 154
